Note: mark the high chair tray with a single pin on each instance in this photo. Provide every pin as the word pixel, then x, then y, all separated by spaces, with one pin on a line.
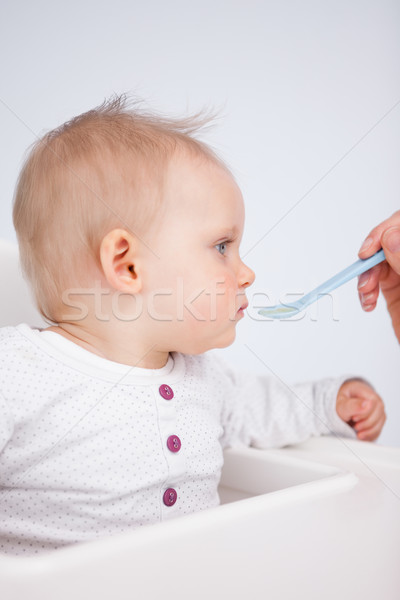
pixel 316 520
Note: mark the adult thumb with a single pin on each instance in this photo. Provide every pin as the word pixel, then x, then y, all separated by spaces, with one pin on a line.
pixel 391 245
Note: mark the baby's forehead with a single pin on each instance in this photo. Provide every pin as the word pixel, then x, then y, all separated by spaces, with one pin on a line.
pixel 198 174
pixel 199 188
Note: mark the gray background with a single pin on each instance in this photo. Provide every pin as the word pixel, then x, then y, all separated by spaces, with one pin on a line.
pixel 308 94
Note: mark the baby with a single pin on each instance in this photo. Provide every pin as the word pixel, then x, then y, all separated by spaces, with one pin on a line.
pixel 116 416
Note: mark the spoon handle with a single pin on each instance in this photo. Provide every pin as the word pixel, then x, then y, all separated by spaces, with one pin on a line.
pixel 360 266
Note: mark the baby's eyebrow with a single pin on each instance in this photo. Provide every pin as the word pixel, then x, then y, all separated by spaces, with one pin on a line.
pixel 229 232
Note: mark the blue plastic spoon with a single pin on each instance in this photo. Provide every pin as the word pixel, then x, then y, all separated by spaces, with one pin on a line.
pixel 285 311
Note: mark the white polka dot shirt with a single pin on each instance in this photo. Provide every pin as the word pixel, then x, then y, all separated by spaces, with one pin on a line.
pixel 90 447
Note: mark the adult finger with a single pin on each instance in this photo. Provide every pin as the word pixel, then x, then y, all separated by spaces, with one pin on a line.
pixel 369 281
pixel 372 243
pixel 369 301
pixel 391 245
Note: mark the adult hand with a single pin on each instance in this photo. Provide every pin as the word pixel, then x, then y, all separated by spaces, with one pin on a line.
pixel 385 276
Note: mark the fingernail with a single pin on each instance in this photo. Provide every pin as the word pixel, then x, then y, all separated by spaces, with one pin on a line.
pixel 364 403
pixel 365 298
pixel 366 244
pixel 363 280
pixel 367 307
pixel 391 239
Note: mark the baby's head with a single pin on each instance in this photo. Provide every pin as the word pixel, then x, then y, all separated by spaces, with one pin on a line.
pixel 118 196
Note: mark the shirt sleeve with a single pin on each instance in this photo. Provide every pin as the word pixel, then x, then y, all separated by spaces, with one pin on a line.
pixel 6 422
pixel 265 412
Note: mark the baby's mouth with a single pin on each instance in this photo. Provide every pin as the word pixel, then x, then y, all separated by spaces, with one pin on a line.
pixel 243 307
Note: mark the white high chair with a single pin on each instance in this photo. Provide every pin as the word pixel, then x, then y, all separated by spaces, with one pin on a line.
pixel 316 520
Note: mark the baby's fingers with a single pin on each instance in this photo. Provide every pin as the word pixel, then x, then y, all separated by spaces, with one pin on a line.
pixel 363 423
pixel 372 424
pixel 373 432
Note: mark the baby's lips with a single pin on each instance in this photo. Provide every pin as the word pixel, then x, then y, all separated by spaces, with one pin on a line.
pixel 244 306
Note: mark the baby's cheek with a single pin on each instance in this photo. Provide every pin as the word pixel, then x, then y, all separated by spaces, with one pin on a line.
pixel 207 302
pixel 226 300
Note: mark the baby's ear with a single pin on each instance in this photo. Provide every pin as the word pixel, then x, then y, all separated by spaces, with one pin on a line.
pixel 118 257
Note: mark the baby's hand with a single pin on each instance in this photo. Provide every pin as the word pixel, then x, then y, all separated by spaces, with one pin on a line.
pixel 361 407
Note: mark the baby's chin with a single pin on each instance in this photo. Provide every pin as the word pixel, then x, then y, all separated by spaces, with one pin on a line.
pixel 205 346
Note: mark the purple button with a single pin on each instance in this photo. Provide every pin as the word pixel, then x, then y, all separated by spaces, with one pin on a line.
pixel 174 443
pixel 170 496
pixel 166 392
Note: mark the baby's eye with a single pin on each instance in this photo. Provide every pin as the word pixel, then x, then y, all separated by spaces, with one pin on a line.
pixel 221 247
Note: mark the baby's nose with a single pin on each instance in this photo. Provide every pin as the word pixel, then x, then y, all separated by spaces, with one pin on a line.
pixel 247 276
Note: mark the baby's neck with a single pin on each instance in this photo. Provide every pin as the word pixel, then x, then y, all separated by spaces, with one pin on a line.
pixel 125 352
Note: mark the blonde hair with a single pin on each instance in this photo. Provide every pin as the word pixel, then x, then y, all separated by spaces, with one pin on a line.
pixel 102 170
